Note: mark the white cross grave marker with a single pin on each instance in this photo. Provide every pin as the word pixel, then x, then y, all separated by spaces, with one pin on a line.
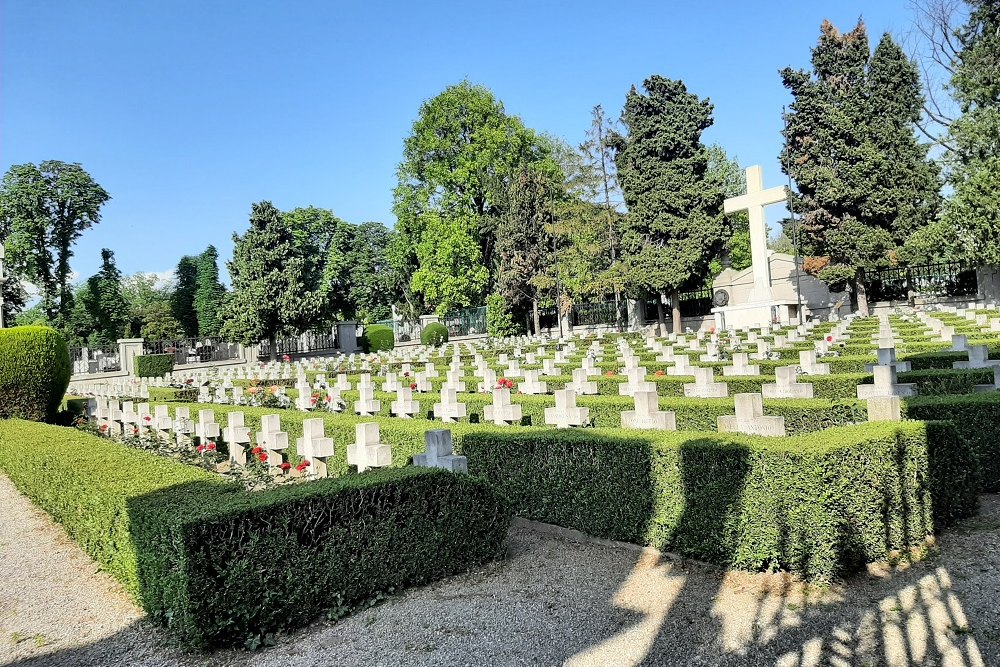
pixel 367 452
pixel 440 453
pixel 753 202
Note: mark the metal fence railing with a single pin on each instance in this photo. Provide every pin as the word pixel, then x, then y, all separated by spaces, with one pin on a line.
pixel 85 360
pixel 193 350
pixel 944 279
pixel 465 322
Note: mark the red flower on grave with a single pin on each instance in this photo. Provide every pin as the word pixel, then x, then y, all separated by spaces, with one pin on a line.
pixel 658 374
pixel 147 418
pixel 286 358
pixel 256 450
pixel 609 374
pixel 829 339
pixel 303 464
pixel 210 446
pixel 104 427
pixel 413 386
pixel 285 466
pixel 711 330
pixel 135 431
pixel 200 448
pixel 262 457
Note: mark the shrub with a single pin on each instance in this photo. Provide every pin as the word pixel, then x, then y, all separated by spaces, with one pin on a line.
pixel 154 365
pixel 34 372
pixel 377 338
pixel 499 321
pixel 817 506
pixel 434 334
pixel 218 565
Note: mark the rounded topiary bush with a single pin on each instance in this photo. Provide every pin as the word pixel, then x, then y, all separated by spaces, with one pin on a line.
pixel 34 372
pixel 378 337
pixel 434 334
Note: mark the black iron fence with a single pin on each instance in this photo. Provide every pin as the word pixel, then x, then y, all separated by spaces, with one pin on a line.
pixel 86 360
pixel 305 344
pixel 193 350
pixel 942 280
pixel 466 322
pixel 696 303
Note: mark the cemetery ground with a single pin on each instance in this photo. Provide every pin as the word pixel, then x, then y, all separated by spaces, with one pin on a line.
pixel 555 599
pixel 785 473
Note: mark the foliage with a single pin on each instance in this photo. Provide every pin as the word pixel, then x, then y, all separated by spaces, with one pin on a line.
pixel 378 338
pixel 805 504
pixel 153 365
pixel 674 226
pixel 499 321
pixel 211 562
pixel 269 282
pixel 44 209
pixel 182 299
pixel 105 304
pixel 865 184
pixel 150 313
pixel 729 176
pixel 209 293
pixel 371 291
pixel 462 147
pixel 435 334
pixel 34 372
pixel 975 135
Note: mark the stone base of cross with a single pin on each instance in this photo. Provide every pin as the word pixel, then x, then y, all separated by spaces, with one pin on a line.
pixel 449 410
pixel 440 453
pixel 502 412
pixel 367 451
pixel 237 437
pixel 750 419
pixel 704 385
pixel 885 385
pixel 787 385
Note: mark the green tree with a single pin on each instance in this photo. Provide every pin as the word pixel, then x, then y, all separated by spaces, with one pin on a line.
pixel 182 299
pixel 674 226
pixel 865 184
pixel 523 244
pixel 269 270
pixel 462 146
pixel 972 211
pixel 729 176
pixel 43 211
pixel 150 312
pixel 329 240
pixel 104 301
pixel 371 291
pixel 209 293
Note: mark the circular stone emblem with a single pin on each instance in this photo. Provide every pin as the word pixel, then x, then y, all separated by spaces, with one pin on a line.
pixel 720 298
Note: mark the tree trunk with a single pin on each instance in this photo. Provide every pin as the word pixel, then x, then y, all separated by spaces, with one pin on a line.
pixel 535 320
pixel 272 343
pixel 661 315
pixel 675 306
pixel 862 291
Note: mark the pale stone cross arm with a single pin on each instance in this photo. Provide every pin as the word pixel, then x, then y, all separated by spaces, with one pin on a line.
pixel 753 202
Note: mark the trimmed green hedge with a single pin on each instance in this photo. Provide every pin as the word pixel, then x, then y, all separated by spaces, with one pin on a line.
pixel 377 338
pixel 34 372
pixel 817 505
pixel 218 565
pixel 154 365
pixel 434 334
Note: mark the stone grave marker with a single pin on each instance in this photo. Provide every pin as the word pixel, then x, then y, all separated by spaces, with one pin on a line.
pixel 647 414
pixel 237 437
pixel 315 447
pixel 786 385
pixel 566 413
pixel 367 451
pixel 440 453
pixel 502 412
pixel 885 385
pixel 704 385
pixel 750 419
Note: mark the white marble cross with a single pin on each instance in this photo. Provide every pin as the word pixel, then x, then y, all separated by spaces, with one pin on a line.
pixel 449 410
pixel 440 453
pixel 647 414
pixel 315 447
pixel 741 366
pixel 750 419
pixel 367 405
pixel 367 452
pixel 566 413
pixel 786 385
pixel 581 385
pixel 682 366
pixel 978 358
pixel 704 385
pixel 404 406
pixel 753 202
pixel 885 385
pixel 502 411
pixel 531 385
pixel 272 438
pixel 809 366
pixel 237 437
pixel 206 429
pixel 636 381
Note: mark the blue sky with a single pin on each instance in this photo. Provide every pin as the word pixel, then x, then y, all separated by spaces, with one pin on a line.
pixel 187 112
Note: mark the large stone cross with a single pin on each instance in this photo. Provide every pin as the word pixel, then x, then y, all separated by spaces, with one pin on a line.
pixel 753 202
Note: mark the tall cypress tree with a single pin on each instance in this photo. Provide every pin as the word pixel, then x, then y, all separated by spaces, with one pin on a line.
pixel 864 181
pixel 975 135
pixel 105 302
pixel 208 293
pixel 674 226
pixel 182 299
pixel 269 272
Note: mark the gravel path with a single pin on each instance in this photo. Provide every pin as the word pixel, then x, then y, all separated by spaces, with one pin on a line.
pixel 554 601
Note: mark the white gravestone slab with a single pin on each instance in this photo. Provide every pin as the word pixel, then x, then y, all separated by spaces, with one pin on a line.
pixel 750 419
pixel 786 385
pixel 705 386
pixel 647 414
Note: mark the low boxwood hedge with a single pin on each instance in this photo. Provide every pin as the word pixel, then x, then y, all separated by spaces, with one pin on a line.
pixel 34 372
pixel 218 565
pixel 817 505
pixel 154 365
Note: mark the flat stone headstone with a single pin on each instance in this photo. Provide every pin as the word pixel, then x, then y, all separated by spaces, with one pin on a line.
pixel 647 414
pixel 884 409
pixel 787 385
pixel 750 419
pixel 704 385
